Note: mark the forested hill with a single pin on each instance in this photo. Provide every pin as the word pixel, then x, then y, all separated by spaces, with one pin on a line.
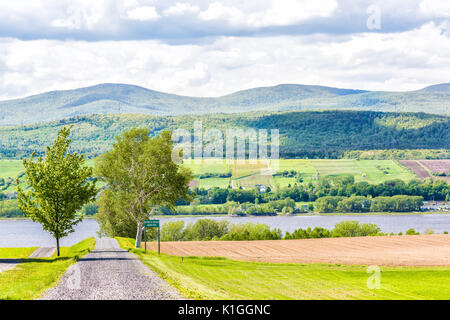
pixel 123 98
pixel 318 134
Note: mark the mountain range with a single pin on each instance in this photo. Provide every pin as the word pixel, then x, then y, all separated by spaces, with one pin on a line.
pixel 112 98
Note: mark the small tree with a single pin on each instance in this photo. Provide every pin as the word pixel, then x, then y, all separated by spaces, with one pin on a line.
pixel 60 186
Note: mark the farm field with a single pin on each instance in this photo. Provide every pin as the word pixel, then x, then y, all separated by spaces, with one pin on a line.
pixel 10 168
pixel 426 168
pixel 415 167
pixel 412 251
pixel 223 278
pixel 246 175
pixel 437 166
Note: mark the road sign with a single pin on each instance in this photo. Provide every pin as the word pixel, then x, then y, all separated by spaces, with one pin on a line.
pixel 153 223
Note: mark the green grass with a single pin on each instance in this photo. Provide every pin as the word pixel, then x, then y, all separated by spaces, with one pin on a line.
pixel 221 278
pixel 247 175
pixel 10 168
pixel 15 253
pixel 207 165
pixel 251 181
pixel 209 183
pixel 33 276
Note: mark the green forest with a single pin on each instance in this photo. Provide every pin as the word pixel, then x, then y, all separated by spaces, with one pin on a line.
pixel 303 134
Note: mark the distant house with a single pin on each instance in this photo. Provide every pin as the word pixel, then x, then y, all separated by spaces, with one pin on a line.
pixel 435 206
pixel 262 188
pixel 10 196
pixel 193 184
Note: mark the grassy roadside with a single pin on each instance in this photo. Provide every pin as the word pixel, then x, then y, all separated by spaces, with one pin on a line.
pixel 30 278
pixel 16 253
pixel 221 278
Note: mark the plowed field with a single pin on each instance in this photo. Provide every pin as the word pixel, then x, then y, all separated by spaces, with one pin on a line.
pixel 421 250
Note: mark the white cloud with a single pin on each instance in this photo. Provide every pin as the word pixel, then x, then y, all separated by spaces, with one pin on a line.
pixel 400 61
pixel 265 13
pixel 217 11
pixel 116 19
pixel 437 8
pixel 181 8
pixel 49 58
pixel 281 13
pixel 143 13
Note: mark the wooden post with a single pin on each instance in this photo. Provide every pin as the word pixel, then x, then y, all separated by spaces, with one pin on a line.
pixel 145 238
pixel 159 251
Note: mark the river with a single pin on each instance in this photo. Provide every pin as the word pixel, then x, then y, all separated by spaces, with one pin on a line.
pixel 25 233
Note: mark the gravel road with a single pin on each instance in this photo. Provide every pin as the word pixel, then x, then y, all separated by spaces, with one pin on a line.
pixel 110 273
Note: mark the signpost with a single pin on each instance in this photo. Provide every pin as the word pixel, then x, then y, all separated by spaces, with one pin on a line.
pixel 151 223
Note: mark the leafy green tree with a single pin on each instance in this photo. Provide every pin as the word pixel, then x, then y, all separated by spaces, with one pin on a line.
pixel 172 231
pixel 354 204
pixel 112 219
pixel 206 229
pixel 327 203
pixel 355 229
pixel 60 186
pixel 141 176
pixel 411 232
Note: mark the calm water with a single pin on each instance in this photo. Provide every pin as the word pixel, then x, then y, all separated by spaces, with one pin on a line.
pixel 25 233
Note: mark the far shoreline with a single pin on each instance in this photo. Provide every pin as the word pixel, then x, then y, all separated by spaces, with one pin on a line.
pixel 316 214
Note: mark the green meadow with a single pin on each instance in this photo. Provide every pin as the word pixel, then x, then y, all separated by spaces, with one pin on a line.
pixel 246 175
pixel 16 253
pixel 221 278
pixel 30 278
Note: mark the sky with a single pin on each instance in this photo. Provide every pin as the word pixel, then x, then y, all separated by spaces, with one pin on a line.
pixel 213 48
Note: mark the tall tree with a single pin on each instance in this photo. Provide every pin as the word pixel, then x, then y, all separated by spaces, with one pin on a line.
pixel 60 185
pixel 141 175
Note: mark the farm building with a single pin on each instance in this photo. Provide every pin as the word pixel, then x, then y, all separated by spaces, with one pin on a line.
pixel 262 188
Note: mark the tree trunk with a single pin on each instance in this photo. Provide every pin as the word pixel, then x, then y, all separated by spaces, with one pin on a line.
pixel 57 245
pixel 138 235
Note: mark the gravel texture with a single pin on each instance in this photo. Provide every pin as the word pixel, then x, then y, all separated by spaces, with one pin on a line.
pixel 8 264
pixel 110 273
pixel 43 253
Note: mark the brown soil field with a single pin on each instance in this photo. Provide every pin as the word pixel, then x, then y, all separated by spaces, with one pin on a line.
pixel 437 166
pixel 421 250
pixel 415 167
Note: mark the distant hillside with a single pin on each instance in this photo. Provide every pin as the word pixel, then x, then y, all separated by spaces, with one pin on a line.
pixel 313 134
pixel 123 98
